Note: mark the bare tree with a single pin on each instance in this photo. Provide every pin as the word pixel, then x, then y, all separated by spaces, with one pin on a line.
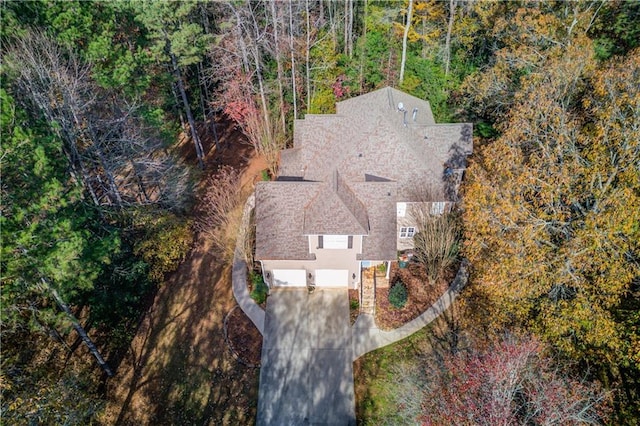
pixel 58 85
pixel 512 382
pixel 221 211
pixel 447 46
pixel 256 36
pixel 238 58
pixel 407 26
pixel 293 64
pixel 437 241
pixel 275 18
pixel 348 27
pixel 111 151
pixel 78 327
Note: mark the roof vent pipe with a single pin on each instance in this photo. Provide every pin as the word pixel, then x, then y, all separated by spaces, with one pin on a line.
pixel 413 115
pixel 404 118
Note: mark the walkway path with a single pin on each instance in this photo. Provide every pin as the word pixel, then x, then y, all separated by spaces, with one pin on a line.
pixel 239 272
pixel 368 284
pixel 368 337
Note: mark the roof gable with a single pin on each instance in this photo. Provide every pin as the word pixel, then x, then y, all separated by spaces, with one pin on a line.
pixel 335 210
pixel 418 111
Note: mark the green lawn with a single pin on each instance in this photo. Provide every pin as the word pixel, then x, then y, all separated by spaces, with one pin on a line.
pixel 385 385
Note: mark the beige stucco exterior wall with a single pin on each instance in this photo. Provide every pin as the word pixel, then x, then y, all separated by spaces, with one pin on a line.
pixel 339 258
pixel 325 259
pixel 405 243
pixel 409 219
pixel 406 221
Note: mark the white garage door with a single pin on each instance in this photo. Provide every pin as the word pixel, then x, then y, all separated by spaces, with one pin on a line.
pixel 332 277
pixel 289 278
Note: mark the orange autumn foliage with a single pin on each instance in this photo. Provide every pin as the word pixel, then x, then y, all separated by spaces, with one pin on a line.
pixel 552 208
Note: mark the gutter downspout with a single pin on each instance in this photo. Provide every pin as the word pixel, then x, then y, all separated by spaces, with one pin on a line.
pixel 264 277
pixel 361 286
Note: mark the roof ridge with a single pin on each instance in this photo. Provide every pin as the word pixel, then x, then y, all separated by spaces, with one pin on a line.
pixel 311 210
pixel 346 190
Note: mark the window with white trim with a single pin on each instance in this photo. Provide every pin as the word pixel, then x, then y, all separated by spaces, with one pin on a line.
pixel 334 241
pixel 437 208
pixel 407 232
pixel 401 209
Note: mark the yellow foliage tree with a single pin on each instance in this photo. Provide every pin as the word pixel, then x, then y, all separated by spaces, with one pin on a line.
pixel 523 39
pixel 552 207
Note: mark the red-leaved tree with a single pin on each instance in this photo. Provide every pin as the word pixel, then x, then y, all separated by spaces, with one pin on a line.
pixel 511 383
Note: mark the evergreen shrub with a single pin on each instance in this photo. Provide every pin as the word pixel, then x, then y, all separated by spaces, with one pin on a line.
pixel 398 295
pixel 259 289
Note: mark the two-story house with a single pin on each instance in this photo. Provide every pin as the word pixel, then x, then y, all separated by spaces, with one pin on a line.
pixel 345 192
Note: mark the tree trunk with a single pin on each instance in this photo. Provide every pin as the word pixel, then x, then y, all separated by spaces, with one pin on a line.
pixel 81 122
pixel 80 330
pixel 240 38
pixel 76 163
pixel 114 191
pixel 293 64
pixel 212 119
pixel 187 108
pixel 205 103
pixel 140 181
pixel 176 99
pixel 333 11
pixel 306 4
pixel 346 27
pixel 258 68
pixel 207 110
pixel 404 40
pixel 350 32
pixel 447 45
pixel 204 15
pixel 363 54
pixel 276 40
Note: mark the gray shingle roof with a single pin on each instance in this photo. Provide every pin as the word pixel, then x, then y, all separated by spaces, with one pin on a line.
pixel 381 198
pixel 350 162
pixel 280 219
pixel 327 214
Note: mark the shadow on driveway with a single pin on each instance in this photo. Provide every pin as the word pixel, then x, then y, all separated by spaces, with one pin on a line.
pixel 307 359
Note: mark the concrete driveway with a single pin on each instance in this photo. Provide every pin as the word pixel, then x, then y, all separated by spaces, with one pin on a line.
pixel 307 359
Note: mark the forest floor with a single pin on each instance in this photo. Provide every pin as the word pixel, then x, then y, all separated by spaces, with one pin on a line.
pixel 179 368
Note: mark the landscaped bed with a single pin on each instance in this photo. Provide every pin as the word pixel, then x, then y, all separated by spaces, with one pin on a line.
pixel 243 338
pixel 258 289
pixel 421 294
pixel 354 305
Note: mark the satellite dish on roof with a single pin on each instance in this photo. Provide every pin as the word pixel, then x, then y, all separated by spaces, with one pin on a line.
pixel 400 106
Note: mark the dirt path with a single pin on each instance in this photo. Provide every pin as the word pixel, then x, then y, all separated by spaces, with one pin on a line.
pixel 179 369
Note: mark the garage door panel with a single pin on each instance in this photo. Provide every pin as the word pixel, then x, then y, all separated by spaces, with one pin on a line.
pixel 289 278
pixel 332 277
